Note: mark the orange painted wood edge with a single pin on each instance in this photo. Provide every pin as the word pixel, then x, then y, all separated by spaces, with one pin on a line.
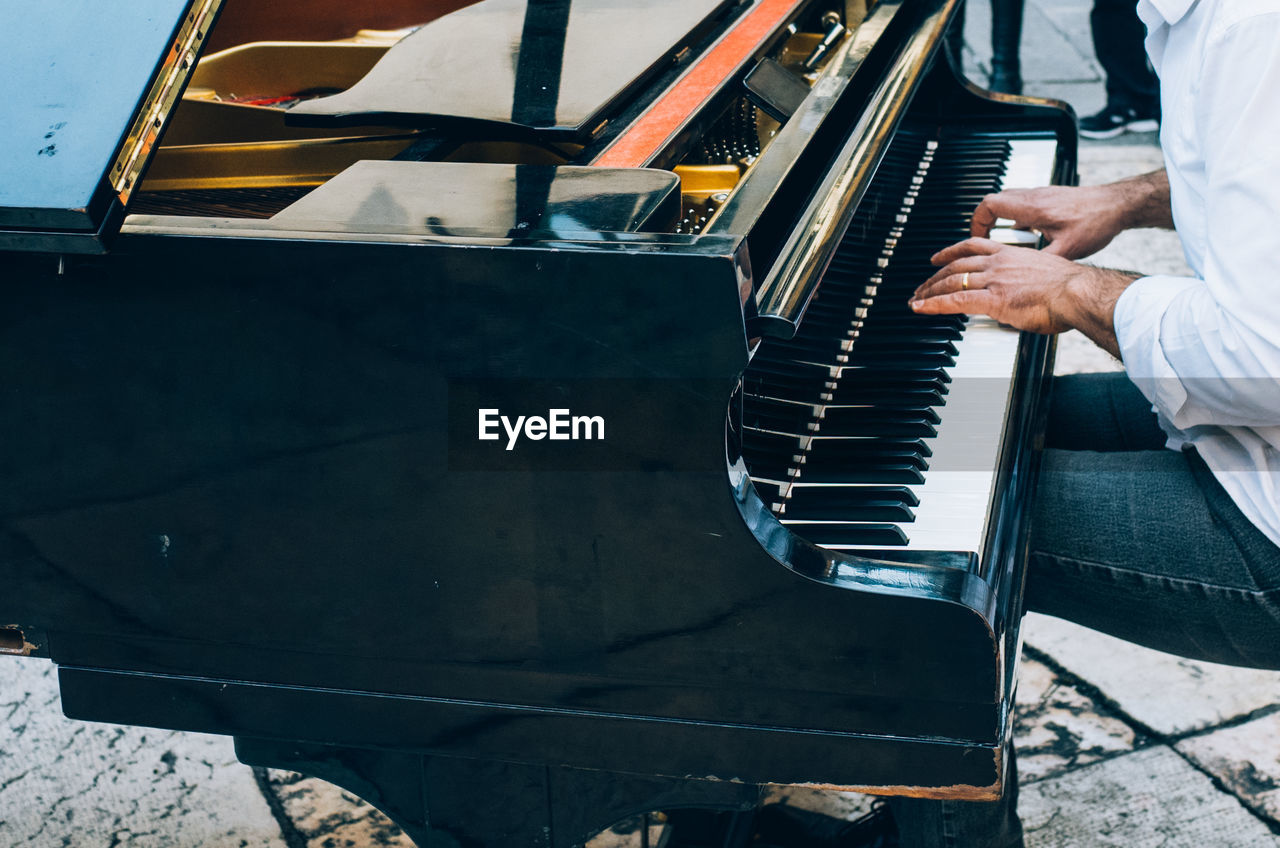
pixel 643 139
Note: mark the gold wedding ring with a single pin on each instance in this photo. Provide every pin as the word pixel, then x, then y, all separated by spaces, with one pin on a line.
pixel 964 283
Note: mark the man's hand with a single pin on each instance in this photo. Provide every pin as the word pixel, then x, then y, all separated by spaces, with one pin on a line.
pixel 1081 221
pixel 1032 290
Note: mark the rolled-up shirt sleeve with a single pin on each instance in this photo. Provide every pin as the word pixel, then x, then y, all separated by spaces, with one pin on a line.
pixel 1207 351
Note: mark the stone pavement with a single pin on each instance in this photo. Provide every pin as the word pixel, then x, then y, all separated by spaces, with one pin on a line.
pixel 1120 745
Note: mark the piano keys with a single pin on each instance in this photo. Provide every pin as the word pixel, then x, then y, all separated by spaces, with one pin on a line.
pixel 891 395
pixel 246 493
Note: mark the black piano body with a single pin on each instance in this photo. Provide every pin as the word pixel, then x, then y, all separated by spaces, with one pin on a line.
pixel 246 491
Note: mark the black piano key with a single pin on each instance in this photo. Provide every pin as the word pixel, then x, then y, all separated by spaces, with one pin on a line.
pixel 874 453
pixel 900 473
pixel 821 448
pixel 817 349
pixel 771 417
pixel 837 415
pixel 878 395
pixel 851 503
pixel 910 396
pixel 775 445
pixel 840 535
pixel 832 507
pixel 951 331
pixel 778 474
pixel 887 426
pixel 905 342
pixel 806 497
pixel 768 492
pixel 775 415
pixel 897 427
pixel 795 390
pixel 940 353
pixel 777 356
pixel 766 363
pixel 907 358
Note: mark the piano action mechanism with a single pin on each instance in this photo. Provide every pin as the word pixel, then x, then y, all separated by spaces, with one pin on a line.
pixel 254 334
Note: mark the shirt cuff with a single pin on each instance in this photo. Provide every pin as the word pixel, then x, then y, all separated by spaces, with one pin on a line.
pixel 1138 317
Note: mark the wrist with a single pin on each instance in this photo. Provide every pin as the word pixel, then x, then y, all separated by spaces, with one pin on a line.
pixel 1088 302
pixel 1091 293
pixel 1141 201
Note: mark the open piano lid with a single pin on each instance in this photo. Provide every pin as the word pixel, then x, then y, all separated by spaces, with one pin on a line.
pixel 555 66
pixel 87 88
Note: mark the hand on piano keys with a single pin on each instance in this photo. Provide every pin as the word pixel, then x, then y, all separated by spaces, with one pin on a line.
pixel 1078 221
pixel 1044 291
pixel 1033 290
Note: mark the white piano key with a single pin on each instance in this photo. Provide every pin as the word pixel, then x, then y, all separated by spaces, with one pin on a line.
pixel 1031 164
pixel 1015 237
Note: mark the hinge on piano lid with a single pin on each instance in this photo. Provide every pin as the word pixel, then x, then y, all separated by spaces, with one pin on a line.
pixel 162 97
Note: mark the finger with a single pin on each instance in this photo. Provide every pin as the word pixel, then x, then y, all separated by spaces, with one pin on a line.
pixel 1060 247
pixel 968 247
pixel 1006 204
pixel 949 284
pixel 951 277
pixel 971 302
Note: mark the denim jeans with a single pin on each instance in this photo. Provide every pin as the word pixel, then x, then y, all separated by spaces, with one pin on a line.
pixel 1133 540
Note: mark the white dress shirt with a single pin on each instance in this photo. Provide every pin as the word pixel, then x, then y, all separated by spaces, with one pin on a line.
pixel 1205 350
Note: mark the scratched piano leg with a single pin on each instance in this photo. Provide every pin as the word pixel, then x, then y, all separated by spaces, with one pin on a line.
pixel 454 802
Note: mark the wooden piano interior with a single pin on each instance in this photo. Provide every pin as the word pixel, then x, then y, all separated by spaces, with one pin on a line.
pixel 245 489
pixel 229 149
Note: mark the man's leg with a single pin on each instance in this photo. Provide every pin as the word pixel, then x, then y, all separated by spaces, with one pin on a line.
pixel 1101 412
pixel 1147 546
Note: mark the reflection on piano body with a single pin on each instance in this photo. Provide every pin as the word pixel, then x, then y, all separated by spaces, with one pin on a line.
pixel 245 491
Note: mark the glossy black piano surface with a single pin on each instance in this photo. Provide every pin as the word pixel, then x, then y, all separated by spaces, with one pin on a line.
pixel 246 490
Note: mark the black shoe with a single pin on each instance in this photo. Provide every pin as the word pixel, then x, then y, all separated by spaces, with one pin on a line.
pixel 1114 120
pixel 1005 80
pixel 783 826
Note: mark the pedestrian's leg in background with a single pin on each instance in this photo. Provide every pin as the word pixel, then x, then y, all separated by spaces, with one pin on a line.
pixel 1133 91
pixel 1118 41
pixel 1006 42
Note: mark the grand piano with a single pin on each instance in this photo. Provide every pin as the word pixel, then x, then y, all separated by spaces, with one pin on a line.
pixel 515 417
